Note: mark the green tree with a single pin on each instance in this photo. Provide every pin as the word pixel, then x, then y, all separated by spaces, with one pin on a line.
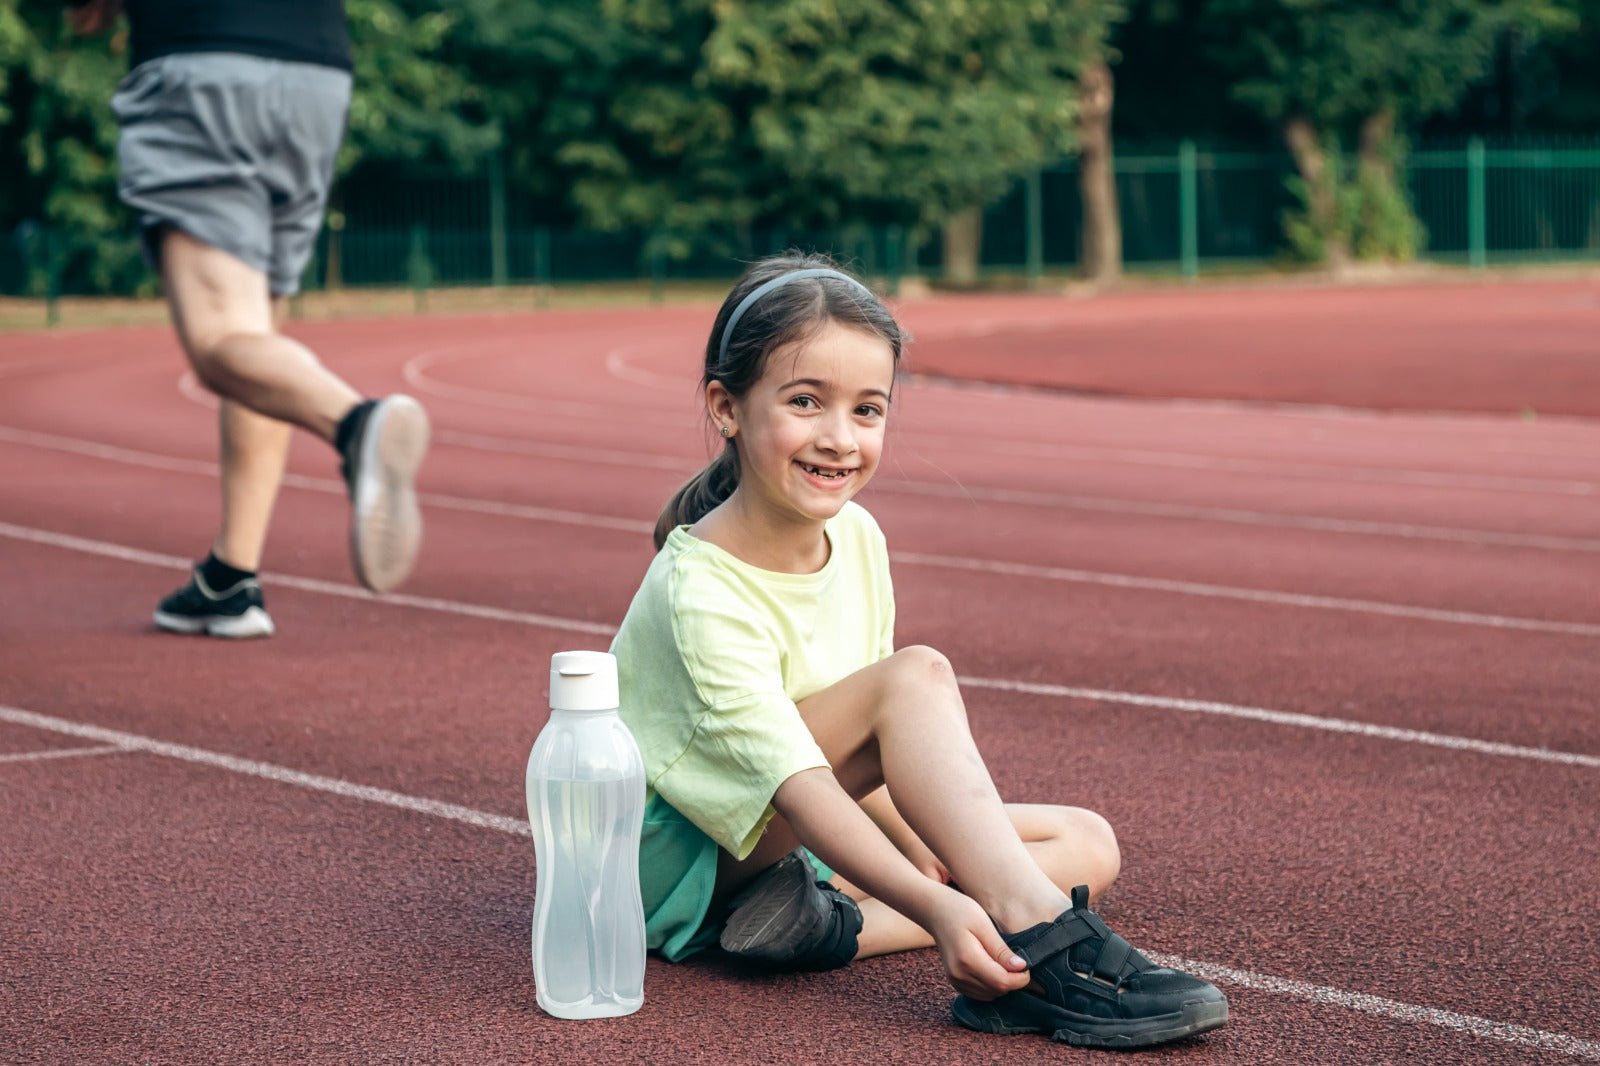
pixel 687 115
pixel 1324 70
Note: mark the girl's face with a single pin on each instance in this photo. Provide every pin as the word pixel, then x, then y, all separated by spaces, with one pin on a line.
pixel 810 431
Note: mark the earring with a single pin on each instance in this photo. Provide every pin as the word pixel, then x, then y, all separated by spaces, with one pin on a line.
pixel 726 432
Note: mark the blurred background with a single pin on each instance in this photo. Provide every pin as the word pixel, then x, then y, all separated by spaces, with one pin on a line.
pixel 959 143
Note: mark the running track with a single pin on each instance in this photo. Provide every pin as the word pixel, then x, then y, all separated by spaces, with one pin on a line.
pixel 1331 673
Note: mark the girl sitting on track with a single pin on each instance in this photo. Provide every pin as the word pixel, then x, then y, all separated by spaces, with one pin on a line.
pixel 782 731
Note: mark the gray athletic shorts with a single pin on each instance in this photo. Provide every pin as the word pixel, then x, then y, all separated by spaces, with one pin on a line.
pixel 234 150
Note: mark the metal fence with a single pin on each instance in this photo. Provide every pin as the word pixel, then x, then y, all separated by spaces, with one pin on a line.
pixel 1185 210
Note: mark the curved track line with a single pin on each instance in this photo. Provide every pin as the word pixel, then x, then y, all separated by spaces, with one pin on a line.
pixel 1133 699
pixel 329 486
pixel 412 372
pixel 1505 1032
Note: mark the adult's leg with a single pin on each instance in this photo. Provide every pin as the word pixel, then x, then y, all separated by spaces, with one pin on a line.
pixel 254 451
pixel 224 319
pixel 901 722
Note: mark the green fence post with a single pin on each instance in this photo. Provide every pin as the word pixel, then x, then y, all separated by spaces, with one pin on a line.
pixel 1035 241
pixel 1188 211
pixel 658 271
pixel 52 278
pixel 417 266
pixel 893 243
pixel 1477 220
pixel 541 265
pixel 497 218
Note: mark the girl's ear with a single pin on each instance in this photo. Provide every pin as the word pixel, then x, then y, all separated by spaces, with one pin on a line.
pixel 719 404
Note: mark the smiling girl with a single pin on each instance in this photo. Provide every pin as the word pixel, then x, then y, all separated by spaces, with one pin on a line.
pixel 785 738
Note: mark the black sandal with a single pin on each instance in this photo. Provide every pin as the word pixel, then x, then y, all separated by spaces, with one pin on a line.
pixel 1091 988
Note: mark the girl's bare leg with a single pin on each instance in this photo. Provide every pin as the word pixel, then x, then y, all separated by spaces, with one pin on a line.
pixel 1072 846
pixel 902 722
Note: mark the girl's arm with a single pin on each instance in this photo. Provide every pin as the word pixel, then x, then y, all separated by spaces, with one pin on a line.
pixel 834 826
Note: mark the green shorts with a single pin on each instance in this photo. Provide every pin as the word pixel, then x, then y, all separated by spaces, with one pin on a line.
pixel 677 880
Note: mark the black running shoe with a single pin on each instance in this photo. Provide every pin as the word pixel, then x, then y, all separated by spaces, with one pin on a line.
pixel 1092 989
pixel 236 612
pixel 786 919
pixel 380 469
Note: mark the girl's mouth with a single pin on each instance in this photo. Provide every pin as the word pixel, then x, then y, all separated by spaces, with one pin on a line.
pixel 817 471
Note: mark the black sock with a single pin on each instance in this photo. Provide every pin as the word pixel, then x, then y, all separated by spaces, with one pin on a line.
pixel 350 425
pixel 220 576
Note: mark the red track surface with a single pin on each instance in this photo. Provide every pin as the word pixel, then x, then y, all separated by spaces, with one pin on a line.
pixel 1176 580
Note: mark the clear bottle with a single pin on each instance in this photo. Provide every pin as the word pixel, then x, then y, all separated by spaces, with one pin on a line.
pixel 586 805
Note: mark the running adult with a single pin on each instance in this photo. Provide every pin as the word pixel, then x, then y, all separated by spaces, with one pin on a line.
pixel 231 116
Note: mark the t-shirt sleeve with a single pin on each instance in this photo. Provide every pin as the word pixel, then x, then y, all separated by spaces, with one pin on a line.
pixel 749 737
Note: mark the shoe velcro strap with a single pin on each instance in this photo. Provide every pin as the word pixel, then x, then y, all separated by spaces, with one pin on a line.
pixel 1060 935
pixel 1116 961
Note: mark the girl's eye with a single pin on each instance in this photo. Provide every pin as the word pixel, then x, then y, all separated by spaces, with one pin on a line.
pixel 803 402
pixel 869 410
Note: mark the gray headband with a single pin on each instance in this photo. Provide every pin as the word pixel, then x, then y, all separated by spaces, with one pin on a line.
pixel 766 287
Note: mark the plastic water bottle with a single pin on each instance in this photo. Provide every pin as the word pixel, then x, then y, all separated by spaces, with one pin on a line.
pixel 586 805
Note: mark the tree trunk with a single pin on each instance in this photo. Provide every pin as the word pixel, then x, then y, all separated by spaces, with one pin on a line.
pixel 1323 186
pixel 963 238
pixel 1101 259
pixel 1377 137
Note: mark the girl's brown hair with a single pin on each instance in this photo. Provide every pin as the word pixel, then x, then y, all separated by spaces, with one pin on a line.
pixel 788 313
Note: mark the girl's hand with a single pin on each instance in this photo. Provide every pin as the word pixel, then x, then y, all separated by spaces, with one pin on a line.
pixel 977 961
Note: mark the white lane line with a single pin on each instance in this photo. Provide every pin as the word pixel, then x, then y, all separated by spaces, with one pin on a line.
pixel 1312 471
pixel 628 525
pixel 133 742
pixel 327 486
pixel 61 753
pixel 948 491
pixel 1172 703
pixel 310 584
pixel 1471 1024
pixel 1287 718
pixel 1228 592
pixel 1233 516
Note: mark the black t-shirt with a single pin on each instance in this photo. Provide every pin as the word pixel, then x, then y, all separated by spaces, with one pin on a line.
pixel 302 31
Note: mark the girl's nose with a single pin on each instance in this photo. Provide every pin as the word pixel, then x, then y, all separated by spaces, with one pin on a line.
pixel 836 434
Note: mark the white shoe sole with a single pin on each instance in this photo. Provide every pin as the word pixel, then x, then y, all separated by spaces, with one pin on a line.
pixel 386 523
pixel 253 623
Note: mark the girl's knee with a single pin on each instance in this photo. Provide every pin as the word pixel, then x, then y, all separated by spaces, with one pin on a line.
pixel 1095 843
pixel 919 664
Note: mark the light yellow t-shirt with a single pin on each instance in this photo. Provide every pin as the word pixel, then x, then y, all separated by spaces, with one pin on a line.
pixel 711 658
pixel 714 653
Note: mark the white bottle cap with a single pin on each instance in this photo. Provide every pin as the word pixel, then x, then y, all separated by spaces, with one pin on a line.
pixel 583 681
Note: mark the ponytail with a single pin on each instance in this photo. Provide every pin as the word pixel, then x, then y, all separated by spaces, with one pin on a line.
pixel 700 494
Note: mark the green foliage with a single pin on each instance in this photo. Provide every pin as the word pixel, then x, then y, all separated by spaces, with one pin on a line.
pixel 408 103
pixel 1335 62
pixel 1371 215
pixel 710 113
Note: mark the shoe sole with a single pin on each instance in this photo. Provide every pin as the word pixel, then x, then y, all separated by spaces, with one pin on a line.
pixel 386 522
pixel 779 913
pixel 1040 1017
pixel 254 622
